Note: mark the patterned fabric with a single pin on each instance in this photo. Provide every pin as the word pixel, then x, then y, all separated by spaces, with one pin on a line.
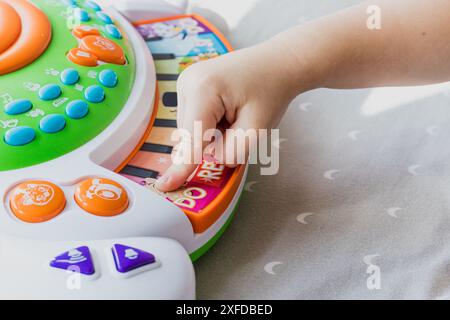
pixel 360 207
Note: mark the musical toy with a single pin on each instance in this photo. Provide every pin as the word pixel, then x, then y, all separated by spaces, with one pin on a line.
pixel 87 107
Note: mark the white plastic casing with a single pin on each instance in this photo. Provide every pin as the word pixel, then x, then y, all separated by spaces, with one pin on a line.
pixel 160 226
pixel 148 214
pixel 26 273
pixel 150 223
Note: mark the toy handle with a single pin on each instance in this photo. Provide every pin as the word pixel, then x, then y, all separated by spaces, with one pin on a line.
pixel 136 10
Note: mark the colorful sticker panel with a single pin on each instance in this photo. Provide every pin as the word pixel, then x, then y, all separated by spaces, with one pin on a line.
pixel 206 43
pixel 178 28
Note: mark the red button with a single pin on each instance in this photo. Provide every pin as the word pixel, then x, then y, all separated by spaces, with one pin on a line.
pixel 37 201
pixel 101 197
pixel 105 49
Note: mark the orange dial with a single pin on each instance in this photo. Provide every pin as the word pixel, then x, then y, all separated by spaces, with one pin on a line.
pixel 25 33
pixel 101 197
pixel 10 26
pixel 37 201
pixel 105 49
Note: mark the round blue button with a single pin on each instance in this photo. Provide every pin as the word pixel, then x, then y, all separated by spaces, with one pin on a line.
pixel 50 92
pixel 19 136
pixel 93 5
pixel 94 94
pixel 52 123
pixel 82 15
pixel 18 106
pixel 104 17
pixel 113 31
pixel 70 76
pixel 108 78
pixel 77 109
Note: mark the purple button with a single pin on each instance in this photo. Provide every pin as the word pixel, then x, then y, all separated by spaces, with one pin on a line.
pixel 129 258
pixel 76 260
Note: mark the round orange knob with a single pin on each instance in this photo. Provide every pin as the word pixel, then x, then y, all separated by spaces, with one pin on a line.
pixel 10 26
pixel 37 201
pixel 27 31
pixel 101 197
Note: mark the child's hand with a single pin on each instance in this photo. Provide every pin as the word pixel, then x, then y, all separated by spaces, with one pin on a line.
pixel 251 88
pixel 246 88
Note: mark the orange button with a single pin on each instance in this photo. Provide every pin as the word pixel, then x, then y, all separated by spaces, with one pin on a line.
pixel 105 49
pixel 25 33
pixel 37 201
pixel 101 197
pixel 84 30
pixel 82 58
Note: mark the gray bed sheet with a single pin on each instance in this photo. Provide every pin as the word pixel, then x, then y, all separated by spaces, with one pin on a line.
pixel 360 207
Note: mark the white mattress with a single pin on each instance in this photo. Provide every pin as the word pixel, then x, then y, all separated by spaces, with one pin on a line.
pixel 386 211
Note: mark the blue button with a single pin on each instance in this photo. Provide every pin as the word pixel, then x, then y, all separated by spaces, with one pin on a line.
pixel 18 106
pixel 104 17
pixel 128 258
pixel 52 123
pixel 70 76
pixel 113 31
pixel 77 109
pixel 94 94
pixel 94 6
pixel 77 260
pixel 108 78
pixel 20 136
pixel 82 15
pixel 50 92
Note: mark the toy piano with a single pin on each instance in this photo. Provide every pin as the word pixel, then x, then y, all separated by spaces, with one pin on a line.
pixel 87 107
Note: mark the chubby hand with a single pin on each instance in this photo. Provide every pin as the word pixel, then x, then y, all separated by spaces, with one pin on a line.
pixel 246 89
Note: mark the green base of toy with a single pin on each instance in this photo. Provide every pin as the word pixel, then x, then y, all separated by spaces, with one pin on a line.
pixel 201 251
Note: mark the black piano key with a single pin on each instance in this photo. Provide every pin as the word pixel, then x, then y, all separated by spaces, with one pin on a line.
pixel 167 77
pixel 163 56
pixel 170 99
pixel 158 148
pixel 165 123
pixel 140 172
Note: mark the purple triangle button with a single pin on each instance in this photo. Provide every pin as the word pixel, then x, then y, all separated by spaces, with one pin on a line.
pixel 76 260
pixel 128 258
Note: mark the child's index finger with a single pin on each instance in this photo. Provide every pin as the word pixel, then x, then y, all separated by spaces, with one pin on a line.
pixel 175 177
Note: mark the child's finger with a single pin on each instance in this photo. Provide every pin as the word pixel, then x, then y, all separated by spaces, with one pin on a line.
pixel 190 154
pixel 237 142
pixel 175 177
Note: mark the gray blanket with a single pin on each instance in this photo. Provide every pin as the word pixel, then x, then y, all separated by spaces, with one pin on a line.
pixel 360 207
